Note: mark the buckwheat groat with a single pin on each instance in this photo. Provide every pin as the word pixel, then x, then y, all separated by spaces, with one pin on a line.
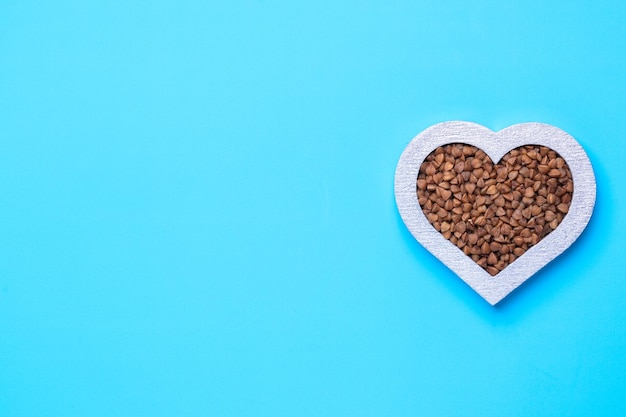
pixel 494 213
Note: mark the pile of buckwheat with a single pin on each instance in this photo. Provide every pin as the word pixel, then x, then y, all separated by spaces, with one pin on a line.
pixel 494 213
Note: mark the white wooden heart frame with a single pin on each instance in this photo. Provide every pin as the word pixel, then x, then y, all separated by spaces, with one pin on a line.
pixel 495 145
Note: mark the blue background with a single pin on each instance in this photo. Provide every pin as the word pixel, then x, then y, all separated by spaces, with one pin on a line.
pixel 197 213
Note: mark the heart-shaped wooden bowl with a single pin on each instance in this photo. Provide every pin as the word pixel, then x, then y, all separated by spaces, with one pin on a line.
pixel 573 213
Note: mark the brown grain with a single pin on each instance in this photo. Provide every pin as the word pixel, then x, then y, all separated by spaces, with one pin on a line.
pixel 494 213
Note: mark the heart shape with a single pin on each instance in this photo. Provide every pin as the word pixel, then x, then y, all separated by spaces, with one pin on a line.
pixel 496 285
pixel 494 213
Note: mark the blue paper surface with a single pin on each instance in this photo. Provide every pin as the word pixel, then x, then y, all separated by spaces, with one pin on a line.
pixel 197 213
